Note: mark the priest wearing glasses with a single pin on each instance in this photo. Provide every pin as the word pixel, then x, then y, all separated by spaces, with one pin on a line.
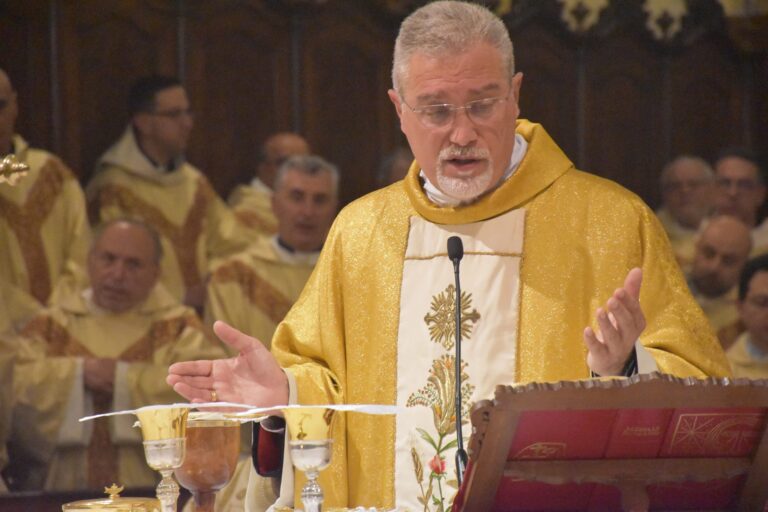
pixel 565 275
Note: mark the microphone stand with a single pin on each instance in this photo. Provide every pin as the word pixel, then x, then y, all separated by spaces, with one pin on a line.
pixel 455 252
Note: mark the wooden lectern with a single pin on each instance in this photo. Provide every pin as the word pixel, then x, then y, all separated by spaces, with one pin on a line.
pixel 648 442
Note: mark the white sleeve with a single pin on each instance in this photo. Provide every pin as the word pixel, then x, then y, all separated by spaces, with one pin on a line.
pixel 645 361
pixel 122 425
pixel 79 404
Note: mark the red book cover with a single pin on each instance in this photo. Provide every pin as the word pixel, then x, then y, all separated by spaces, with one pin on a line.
pixel 713 432
pixel 558 435
pixel 638 433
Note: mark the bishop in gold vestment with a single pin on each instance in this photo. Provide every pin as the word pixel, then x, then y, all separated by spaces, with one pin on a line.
pixel 582 235
pixel 545 248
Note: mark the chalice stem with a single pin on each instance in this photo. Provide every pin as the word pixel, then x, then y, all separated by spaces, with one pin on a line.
pixel 168 491
pixel 204 501
pixel 312 494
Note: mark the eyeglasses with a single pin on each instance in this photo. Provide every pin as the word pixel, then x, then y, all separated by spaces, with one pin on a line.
pixel 744 185
pixel 172 114
pixel 442 114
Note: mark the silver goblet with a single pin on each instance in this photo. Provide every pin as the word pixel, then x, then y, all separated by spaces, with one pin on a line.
pixel 310 444
pixel 164 433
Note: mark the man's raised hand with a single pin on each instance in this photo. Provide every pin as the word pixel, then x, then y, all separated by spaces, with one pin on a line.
pixel 252 377
pixel 620 322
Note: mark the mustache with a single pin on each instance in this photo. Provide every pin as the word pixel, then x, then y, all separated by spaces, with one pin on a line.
pixel 463 152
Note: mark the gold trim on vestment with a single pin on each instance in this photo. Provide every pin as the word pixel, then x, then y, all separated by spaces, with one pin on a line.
pixel 26 221
pixel 259 291
pixel 442 255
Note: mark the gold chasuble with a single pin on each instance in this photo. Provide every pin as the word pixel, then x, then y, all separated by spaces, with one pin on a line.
pixel 252 205
pixel 254 289
pixel 49 383
pixel 371 325
pixel 44 231
pixel 194 224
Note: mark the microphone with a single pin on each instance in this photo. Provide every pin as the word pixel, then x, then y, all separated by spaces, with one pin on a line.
pixel 455 253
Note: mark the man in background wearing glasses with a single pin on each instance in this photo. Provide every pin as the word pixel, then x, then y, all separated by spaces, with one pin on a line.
pixel 741 192
pixel 144 175
pixel 545 248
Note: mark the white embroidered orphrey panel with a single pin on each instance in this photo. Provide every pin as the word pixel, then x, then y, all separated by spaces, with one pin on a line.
pixel 425 439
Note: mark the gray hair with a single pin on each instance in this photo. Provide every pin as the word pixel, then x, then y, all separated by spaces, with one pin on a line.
pixel 448 26
pixel 666 173
pixel 151 232
pixel 311 165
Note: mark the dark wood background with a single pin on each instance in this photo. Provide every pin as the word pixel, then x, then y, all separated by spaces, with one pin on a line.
pixel 619 102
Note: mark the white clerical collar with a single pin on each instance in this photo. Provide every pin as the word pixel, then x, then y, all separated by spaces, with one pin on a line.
pixel 261 186
pixel 440 198
pixel 293 256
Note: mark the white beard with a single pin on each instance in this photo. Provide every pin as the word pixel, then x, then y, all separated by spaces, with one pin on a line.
pixel 464 189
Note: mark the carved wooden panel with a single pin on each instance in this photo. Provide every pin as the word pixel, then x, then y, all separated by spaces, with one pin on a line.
pixel 239 80
pixel 619 103
pixel 25 57
pixel 104 46
pixel 550 73
pixel 622 110
pixel 760 104
pixel 348 118
pixel 708 95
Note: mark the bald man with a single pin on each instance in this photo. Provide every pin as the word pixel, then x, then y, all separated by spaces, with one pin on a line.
pixel 687 189
pixel 252 203
pixel 100 349
pixel 43 225
pixel 722 249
